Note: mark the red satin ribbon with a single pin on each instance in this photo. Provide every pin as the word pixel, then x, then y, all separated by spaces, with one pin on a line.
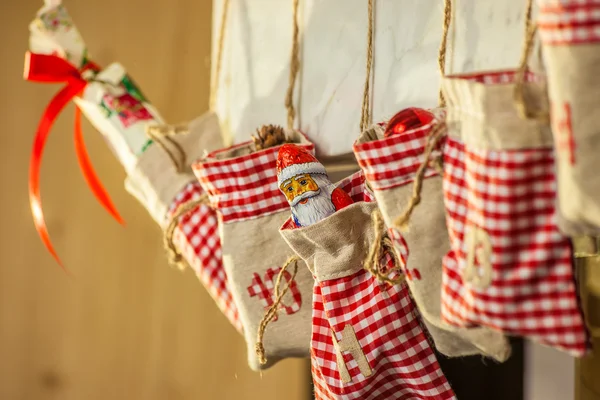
pixel 53 69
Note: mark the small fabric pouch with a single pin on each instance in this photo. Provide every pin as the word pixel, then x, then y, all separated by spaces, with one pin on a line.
pixel 390 166
pixel 570 36
pixel 509 267
pixel 242 187
pixel 156 180
pixel 161 189
pixel 367 340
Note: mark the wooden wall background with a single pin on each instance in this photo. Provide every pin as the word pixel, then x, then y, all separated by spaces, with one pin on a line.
pixel 125 326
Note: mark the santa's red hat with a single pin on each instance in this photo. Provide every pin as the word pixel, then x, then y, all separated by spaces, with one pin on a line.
pixel 294 160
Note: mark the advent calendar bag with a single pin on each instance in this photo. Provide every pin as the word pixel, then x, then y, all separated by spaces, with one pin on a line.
pixel 509 267
pixel 570 36
pixel 158 185
pixel 242 187
pixel 390 165
pixel 367 340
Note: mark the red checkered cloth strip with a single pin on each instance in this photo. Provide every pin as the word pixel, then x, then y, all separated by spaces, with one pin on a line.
pixel 393 161
pixel 355 186
pixel 243 187
pixel 501 77
pixel 197 238
pixel 516 263
pixel 386 325
pixel 569 21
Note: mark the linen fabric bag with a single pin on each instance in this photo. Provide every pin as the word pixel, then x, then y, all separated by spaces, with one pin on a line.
pixel 570 36
pixel 161 189
pixel 390 166
pixel 242 187
pixel 367 340
pixel 509 267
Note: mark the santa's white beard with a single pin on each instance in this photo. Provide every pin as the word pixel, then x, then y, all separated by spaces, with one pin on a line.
pixel 318 206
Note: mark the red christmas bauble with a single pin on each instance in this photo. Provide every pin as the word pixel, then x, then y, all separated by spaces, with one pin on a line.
pixel 408 119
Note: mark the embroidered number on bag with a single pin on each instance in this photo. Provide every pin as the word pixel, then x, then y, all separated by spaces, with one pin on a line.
pixel 349 344
pixel 564 129
pixel 478 271
pixel 265 290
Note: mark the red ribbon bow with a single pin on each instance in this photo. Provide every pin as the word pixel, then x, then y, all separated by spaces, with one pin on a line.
pixel 52 69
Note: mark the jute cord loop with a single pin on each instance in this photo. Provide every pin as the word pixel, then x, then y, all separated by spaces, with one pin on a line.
pixel 443 47
pixel 294 68
pixel 173 254
pixel 381 246
pixel 365 118
pixel 272 311
pixel 433 138
pixel 163 134
pixel 214 84
pixel 520 78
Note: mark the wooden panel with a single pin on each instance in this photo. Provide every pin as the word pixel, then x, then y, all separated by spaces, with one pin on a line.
pixel 587 369
pixel 124 326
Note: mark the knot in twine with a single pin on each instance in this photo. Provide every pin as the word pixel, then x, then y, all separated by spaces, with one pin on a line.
pixel 272 311
pixel 381 246
pixel 433 138
pixel 158 133
pixel 174 256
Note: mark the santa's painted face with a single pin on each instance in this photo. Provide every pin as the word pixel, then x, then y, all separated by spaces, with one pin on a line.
pixel 299 189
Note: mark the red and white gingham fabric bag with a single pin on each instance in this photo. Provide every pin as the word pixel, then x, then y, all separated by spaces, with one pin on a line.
pixel 242 187
pixel 160 188
pixel 570 36
pixel 197 238
pixel 509 267
pixel 382 350
pixel 390 166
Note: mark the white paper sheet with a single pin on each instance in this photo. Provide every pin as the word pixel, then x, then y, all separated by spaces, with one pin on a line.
pixel 485 35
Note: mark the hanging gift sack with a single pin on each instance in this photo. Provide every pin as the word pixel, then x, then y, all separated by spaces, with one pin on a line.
pixel 242 187
pixel 390 165
pixel 165 185
pixel 509 268
pixel 367 341
pixel 570 35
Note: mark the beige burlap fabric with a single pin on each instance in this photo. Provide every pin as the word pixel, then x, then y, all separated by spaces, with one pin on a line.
pixel 156 180
pixel 390 166
pixel 574 87
pixel 242 187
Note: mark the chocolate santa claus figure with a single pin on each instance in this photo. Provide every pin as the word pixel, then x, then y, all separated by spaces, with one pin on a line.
pixel 304 182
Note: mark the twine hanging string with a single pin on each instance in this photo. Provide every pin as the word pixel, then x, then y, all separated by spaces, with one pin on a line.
pixel 520 78
pixel 365 118
pixel 294 68
pixel 163 135
pixel 214 84
pixel 436 134
pixel 272 311
pixel 174 256
pixel 381 246
pixel 443 47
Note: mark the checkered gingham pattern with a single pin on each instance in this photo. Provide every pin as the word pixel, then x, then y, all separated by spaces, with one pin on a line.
pixel 387 327
pixel 355 186
pixel 563 22
pixel 393 162
pixel 522 281
pixel 243 187
pixel 197 238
